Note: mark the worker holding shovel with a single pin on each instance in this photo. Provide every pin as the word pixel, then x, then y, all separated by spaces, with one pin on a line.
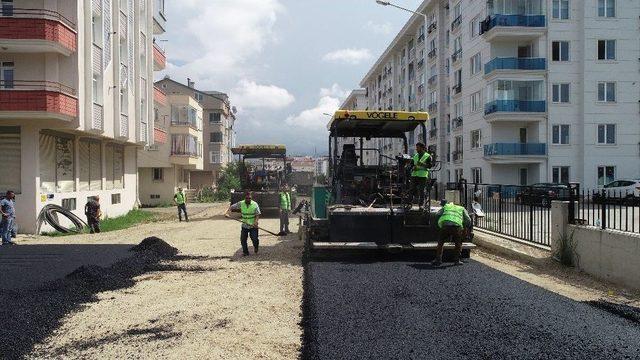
pixel 250 211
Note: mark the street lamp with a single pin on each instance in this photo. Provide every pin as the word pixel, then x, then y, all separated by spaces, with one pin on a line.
pixel 387 3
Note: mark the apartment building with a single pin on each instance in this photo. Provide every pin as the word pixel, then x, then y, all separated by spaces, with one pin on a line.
pixel 169 164
pixel 218 128
pixel 75 80
pixel 519 91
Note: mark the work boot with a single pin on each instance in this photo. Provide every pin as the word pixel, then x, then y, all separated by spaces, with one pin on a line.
pixel 255 250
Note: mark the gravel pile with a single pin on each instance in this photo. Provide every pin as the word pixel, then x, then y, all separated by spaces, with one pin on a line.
pixel 28 316
pixel 402 309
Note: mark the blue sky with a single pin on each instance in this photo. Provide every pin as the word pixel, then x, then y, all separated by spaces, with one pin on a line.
pixel 283 62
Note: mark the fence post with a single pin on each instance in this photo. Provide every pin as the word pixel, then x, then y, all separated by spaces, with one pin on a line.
pixel 531 216
pixel 603 213
pixel 500 208
pixel 572 203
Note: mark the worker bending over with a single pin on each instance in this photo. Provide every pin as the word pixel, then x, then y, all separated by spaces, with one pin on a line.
pixel 420 173
pixel 250 211
pixel 453 220
pixel 285 210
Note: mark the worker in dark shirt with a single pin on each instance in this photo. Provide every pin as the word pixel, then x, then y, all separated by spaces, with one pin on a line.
pixel 452 221
pixel 93 213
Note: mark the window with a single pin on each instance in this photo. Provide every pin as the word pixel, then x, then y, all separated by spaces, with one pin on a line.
pixel 10 158
pixel 57 163
pixel 154 196
pixel 214 157
pixel 457 110
pixel 561 9
pixel 434 97
pixel 560 51
pixel 606 174
pixel 606 49
pixel 476 175
pixel 606 92
pixel 7 7
pixel 459 174
pixel 607 8
pixel 476 63
pixel 560 134
pixel 198 96
pixel 474 26
pixel 560 93
pixel 475 139
pixel 606 134
pixel 69 204
pixel 457 79
pixel 560 174
pixel 158 174
pixel 114 157
pixel 115 199
pixel 476 101
pixel 90 157
pixel 96 89
pixel 6 75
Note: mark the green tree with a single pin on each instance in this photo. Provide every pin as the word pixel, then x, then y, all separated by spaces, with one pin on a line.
pixel 228 180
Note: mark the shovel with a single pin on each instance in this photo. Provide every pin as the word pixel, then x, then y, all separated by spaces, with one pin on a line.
pixel 240 221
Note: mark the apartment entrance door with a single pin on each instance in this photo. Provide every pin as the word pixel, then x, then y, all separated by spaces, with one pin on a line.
pixel 524 176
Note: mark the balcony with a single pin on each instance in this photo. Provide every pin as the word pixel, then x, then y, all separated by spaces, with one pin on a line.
pixel 433 80
pixel 455 24
pixel 515 153
pixel 159 58
pixel 456 89
pixel 518 65
pixel 432 54
pixel 457 55
pixel 457 156
pixel 456 123
pixel 513 27
pixel 159 96
pixel 23 99
pixel 159 18
pixel 433 107
pixel 516 106
pixel 420 38
pixel 37 31
pixel 433 133
pixel 432 27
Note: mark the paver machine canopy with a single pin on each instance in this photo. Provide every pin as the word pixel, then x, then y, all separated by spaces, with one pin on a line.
pixel 262 169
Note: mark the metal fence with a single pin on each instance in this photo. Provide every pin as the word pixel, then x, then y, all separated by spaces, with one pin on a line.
pixel 605 208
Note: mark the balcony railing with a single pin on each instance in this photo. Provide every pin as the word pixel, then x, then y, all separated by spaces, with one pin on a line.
pixel 456 89
pixel 159 58
pixel 432 54
pixel 515 106
pixel 420 63
pixel 455 24
pixel 515 64
pixel 37 14
pixel 512 20
pixel 515 149
pixel 457 55
pixel 38 96
pixel 433 107
pixel 457 156
pixel 432 27
pixel 457 123
pixel 420 38
pixel 432 80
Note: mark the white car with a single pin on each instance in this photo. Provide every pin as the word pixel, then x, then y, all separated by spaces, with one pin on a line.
pixel 624 189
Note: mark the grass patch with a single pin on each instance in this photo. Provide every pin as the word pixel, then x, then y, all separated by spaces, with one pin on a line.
pixel 132 218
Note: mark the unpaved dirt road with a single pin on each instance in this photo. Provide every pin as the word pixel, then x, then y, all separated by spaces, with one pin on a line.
pixel 208 303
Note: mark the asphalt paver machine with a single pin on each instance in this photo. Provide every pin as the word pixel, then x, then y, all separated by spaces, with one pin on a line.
pixel 262 170
pixel 369 206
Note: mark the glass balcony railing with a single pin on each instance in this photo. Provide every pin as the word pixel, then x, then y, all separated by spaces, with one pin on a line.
pixel 515 106
pixel 513 20
pixel 515 149
pixel 515 64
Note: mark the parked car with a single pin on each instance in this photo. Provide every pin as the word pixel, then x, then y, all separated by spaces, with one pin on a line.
pixel 624 191
pixel 543 194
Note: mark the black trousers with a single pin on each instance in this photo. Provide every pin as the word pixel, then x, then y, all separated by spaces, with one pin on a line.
pixel 94 224
pixel 418 184
pixel 456 234
pixel 244 234
pixel 182 208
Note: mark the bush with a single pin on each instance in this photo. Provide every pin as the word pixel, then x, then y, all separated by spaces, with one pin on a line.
pixel 227 181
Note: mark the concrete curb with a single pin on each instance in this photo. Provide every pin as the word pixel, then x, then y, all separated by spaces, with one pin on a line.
pixel 511 248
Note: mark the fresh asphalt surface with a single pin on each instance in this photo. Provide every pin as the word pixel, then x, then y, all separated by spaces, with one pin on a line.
pixel 380 307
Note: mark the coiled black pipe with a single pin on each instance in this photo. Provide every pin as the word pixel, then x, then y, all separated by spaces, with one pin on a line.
pixel 49 215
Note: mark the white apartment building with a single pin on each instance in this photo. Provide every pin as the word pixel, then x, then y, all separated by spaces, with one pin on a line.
pixel 75 80
pixel 519 91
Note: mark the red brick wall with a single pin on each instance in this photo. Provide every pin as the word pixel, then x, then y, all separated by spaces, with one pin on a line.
pixel 42 29
pixel 38 100
pixel 159 96
pixel 159 57
pixel 159 136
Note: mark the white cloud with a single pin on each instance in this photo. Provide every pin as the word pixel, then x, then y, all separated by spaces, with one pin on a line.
pixel 249 94
pixel 348 56
pixel 315 118
pixel 216 43
pixel 380 28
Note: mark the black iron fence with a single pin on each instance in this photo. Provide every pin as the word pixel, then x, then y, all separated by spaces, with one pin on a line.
pixel 615 209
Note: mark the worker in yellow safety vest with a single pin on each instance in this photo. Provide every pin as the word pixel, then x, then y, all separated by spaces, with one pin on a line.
pixel 285 209
pixel 420 174
pixel 180 199
pixel 250 211
pixel 452 221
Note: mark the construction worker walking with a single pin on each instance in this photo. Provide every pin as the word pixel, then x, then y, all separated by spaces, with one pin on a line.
pixel 420 174
pixel 285 210
pixel 250 211
pixel 452 221
pixel 180 199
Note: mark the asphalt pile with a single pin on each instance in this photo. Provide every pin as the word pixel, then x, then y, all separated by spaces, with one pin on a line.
pixel 28 316
pixel 371 309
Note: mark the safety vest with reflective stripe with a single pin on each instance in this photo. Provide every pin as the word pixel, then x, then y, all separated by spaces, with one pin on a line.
pixel 452 213
pixel 248 212
pixel 180 198
pixel 420 165
pixel 285 201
